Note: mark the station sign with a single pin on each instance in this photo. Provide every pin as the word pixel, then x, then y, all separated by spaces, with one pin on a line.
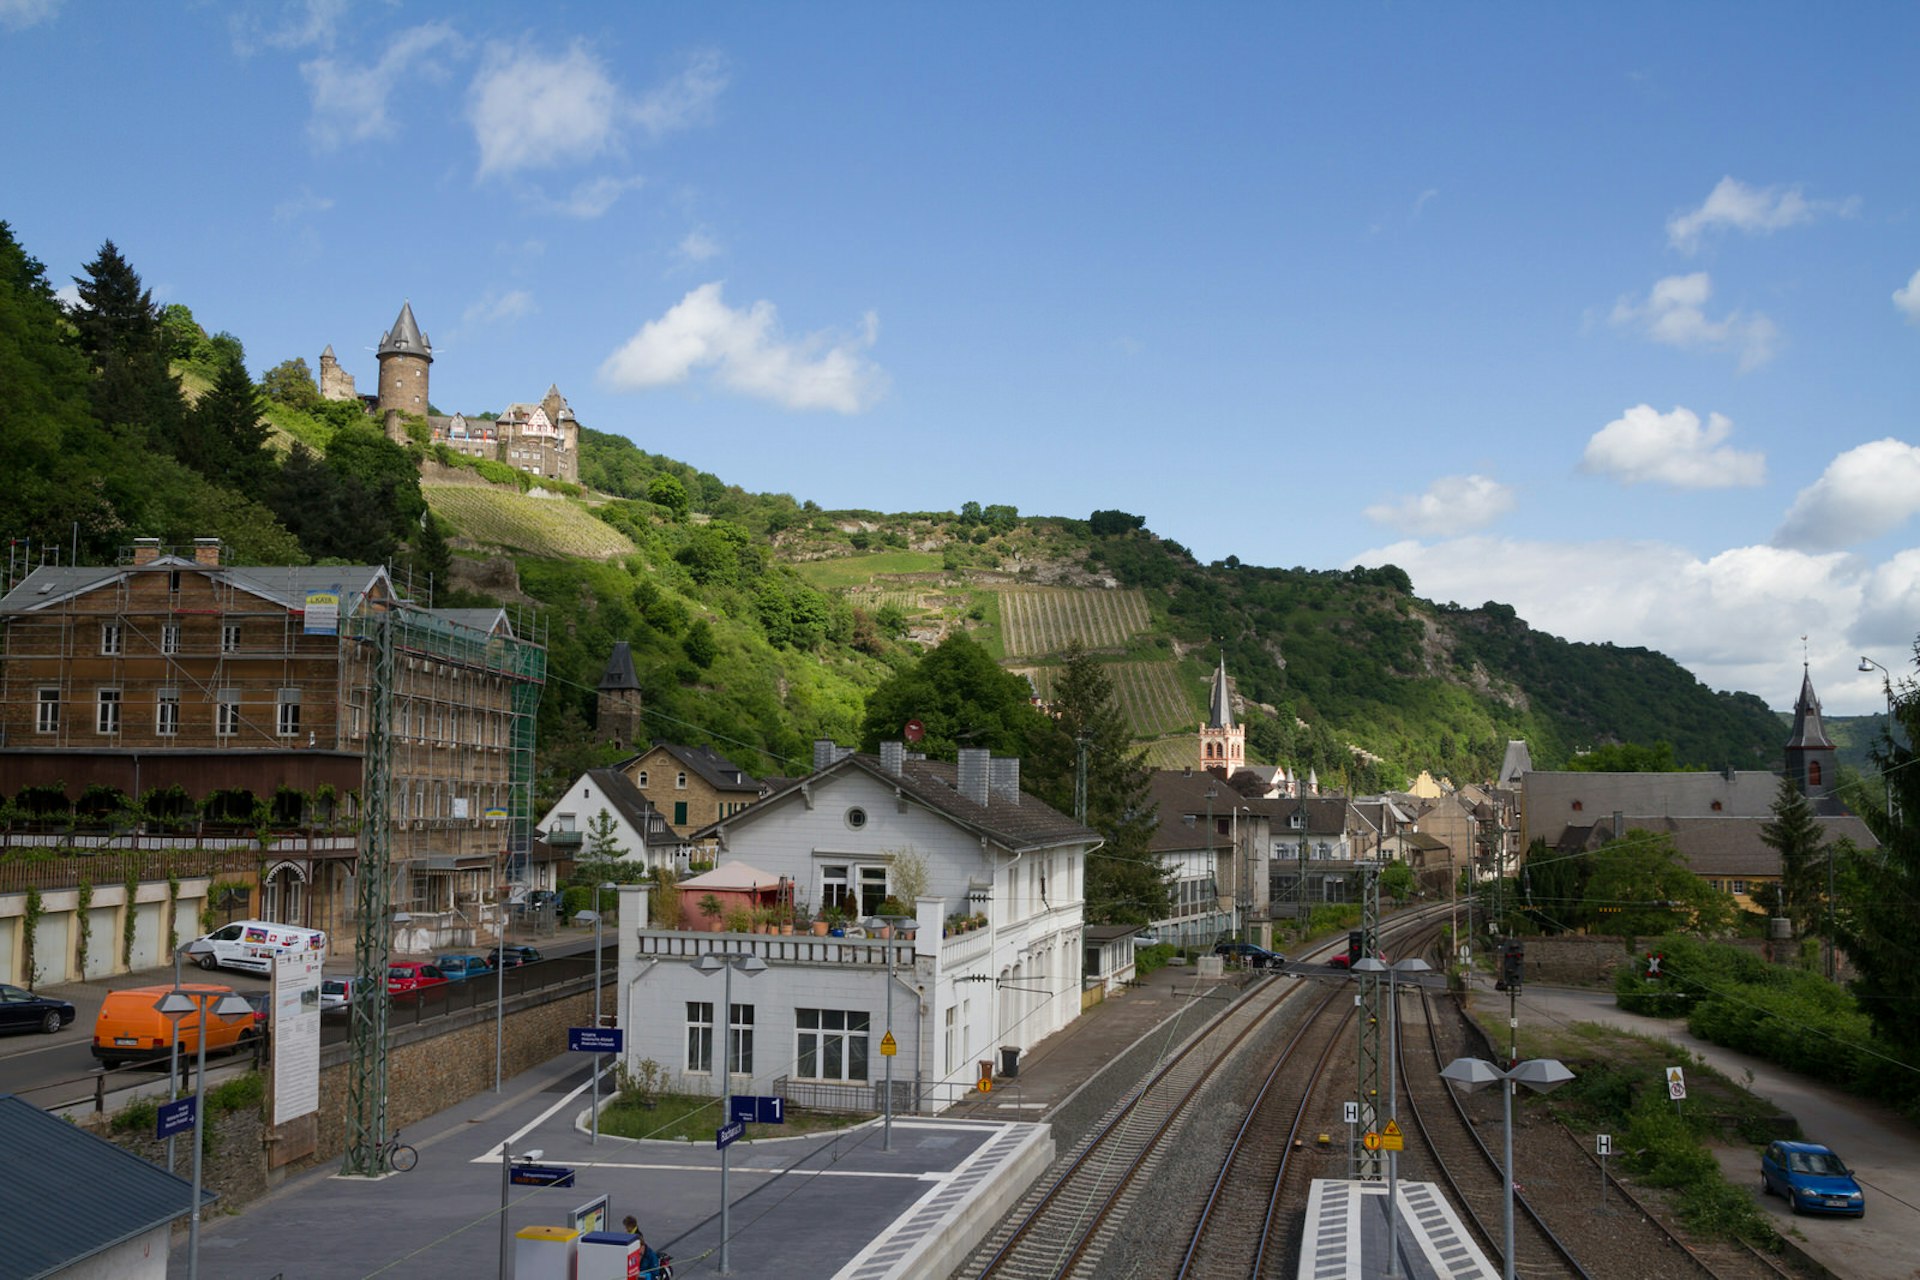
pixel 596 1039
pixel 541 1175
pixel 748 1108
pixel 728 1134
pixel 174 1117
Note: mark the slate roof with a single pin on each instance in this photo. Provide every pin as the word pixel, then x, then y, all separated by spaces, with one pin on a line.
pixel 1031 824
pixel 1717 848
pixel 625 798
pixel 1809 734
pixel 1219 701
pixel 1517 761
pixel 1180 795
pixel 718 772
pixel 1549 796
pixel 71 1195
pixel 405 338
pixel 619 673
pixel 285 585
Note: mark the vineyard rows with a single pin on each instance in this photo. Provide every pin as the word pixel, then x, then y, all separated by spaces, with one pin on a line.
pixel 877 598
pixel 541 526
pixel 1150 694
pixel 1036 621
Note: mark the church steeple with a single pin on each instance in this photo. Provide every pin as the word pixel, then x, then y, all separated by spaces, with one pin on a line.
pixel 1811 755
pixel 1223 744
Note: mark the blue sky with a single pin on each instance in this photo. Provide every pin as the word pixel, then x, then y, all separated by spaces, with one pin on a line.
pixel 1610 313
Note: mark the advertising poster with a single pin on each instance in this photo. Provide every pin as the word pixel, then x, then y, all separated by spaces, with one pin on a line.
pixel 295 1034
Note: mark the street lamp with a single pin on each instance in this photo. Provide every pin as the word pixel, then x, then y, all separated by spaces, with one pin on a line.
pixel 895 924
pixel 1540 1075
pixel 1412 964
pixel 197 948
pixel 506 1194
pixel 1867 665
pixel 179 1003
pixel 599 910
pixel 724 963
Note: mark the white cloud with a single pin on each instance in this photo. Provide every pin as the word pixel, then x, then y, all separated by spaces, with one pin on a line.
pixel 532 111
pixel 1451 505
pixel 350 103
pixel 698 245
pixel 1735 619
pixel 300 24
pixel 591 198
pixel 1890 604
pixel 1867 491
pixel 304 205
pixel 686 99
pixel 1907 298
pixel 746 354
pixel 493 306
pixel 1732 203
pixel 1675 314
pixel 69 296
pixel 1645 446
pixel 1420 202
pixel 18 15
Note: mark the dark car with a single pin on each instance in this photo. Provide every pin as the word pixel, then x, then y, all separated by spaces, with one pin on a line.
pixel 1250 954
pixel 1812 1178
pixel 460 968
pixel 21 1010
pixel 536 900
pixel 512 955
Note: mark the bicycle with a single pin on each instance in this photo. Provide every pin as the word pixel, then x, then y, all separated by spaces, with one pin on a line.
pixel 398 1156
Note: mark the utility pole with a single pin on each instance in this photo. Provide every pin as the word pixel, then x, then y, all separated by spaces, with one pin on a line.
pixel 1367 1004
pixel 1080 741
pixel 373 938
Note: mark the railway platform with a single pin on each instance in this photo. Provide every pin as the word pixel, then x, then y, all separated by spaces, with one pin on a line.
pixel 1346 1234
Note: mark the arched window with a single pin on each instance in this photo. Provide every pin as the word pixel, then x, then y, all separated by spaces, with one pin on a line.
pixel 1813 773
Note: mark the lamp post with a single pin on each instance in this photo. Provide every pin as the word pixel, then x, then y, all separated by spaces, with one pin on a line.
pixel 599 909
pixel 1886 682
pixel 725 963
pixel 1412 964
pixel 506 1195
pixel 177 1004
pixel 197 948
pixel 895 924
pixel 1540 1075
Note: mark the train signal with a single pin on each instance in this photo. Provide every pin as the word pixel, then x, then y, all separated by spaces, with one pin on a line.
pixel 1653 966
pixel 1512 965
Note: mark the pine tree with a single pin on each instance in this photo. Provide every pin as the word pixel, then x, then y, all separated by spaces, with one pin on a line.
pixel 225 437
pixel 118 328
pixel 1881 928
pixel 1125 883
pixel 1797 838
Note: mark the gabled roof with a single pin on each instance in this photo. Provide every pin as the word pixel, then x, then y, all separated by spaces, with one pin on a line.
pixel 625 799
pixel 737 876
pixel 72 1196
pixel 1716 847
pixel 932 784
pixel 1518 760
pixel 715 769
pixel 405 338
pixel 284 585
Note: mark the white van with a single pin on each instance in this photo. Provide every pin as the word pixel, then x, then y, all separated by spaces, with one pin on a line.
pixel 252 944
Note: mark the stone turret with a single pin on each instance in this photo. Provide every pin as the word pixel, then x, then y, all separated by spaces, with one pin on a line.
pixel 404 354
pixel 335 383
pixel 619 701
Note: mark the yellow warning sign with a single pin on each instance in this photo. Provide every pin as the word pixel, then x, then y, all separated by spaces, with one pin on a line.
pixel 984 1085
pixel 1392 1130
pixel 887 1045
pixel 1370 1140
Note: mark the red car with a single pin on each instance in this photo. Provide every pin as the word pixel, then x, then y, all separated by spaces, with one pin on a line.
pixel 412 979
pixel 1342 959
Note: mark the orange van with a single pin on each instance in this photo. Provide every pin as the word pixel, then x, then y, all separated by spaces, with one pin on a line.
pixel 130 1029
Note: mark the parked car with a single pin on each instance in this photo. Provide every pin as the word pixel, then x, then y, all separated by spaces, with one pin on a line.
pixel 460 968
pixel 535 900
pixel 262 1019
pixel 130 1029
pixel 335 994
pixel 408 979
pixel 21 1010
pixel 1343 959
pixel 512 955
pixel 1249 953
pixel 1812 1178
pixel 1145 938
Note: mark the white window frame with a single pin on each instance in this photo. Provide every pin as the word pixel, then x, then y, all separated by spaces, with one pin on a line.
pixel 46 711
pixel 110 639
pixel 229 637
pixel 166 715
pixel 699 1052
pixel 823 1040
pixel 226 717
pixel 169 637
pixel 106 714
pixel 287 719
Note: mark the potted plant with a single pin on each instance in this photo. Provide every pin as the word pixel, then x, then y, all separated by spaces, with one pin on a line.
pixel 737 919
pixel 710 908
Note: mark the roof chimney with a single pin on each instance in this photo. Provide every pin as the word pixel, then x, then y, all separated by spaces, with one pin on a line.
pixel 206 551
pixel 146 550
pixel 892 756
pixel 1003 773
pixel 825 752
pixel 974 762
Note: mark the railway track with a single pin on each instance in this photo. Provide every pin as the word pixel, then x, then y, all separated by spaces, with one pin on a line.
pixel 1063 1225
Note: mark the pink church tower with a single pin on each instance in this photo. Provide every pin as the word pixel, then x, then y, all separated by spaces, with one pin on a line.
pixel 1223 744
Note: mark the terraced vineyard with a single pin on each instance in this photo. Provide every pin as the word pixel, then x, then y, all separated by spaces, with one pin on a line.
pixel 1037 621
pixel 1173 753
pixel 1150 694
pixel 538 526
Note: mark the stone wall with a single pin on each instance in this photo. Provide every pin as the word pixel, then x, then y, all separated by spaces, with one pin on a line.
pixel 1579 960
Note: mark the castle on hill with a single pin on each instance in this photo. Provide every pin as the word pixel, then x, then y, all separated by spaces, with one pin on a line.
pixel 540 437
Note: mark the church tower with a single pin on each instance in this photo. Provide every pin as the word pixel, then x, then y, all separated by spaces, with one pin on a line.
pixel 404 354
pixel 619 703
pixel 1223 744
pixel 1811 755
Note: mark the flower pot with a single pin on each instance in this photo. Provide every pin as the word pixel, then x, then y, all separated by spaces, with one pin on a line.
pixel 819 928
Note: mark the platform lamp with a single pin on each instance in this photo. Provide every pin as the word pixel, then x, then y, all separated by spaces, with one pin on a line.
pixel 507 1161
pixel 175 1005
pixel 1542 1075
pixel 1412 964
pixel 725 962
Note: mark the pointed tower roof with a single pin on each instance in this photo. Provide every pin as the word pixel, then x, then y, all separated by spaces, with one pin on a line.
pixel 405 338
pixel 328 353
pixel 1219 702
pixel 619 673
pixel 1808 733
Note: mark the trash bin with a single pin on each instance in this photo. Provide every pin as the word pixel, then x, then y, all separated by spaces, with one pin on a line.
pixel 986 1069
pixel 1009 1060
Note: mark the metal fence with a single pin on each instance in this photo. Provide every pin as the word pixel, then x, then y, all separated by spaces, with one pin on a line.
pixel 18 874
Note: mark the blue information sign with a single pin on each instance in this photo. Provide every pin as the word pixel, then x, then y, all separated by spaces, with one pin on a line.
pixel 748 1109
pixel 727 1134
pixel 174 1117
pixel 542 1175
pixel 596 1039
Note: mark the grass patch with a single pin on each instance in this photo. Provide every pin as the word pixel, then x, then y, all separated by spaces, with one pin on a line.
pixel 141 1115
pixel 238 1094
pixel 681 1117
pixel 858 570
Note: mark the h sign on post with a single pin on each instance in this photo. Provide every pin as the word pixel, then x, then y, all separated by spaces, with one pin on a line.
pixel 1603 1144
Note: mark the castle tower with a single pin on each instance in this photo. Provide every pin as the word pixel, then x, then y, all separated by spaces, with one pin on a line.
pixel 335 383
pixel 619 702
pixel 1811 755
pixel 1223 744
pixel 404 354
pixel 560 413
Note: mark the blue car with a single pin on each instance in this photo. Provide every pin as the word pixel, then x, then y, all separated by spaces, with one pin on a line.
pixel 460 968
pixel 1812 1178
